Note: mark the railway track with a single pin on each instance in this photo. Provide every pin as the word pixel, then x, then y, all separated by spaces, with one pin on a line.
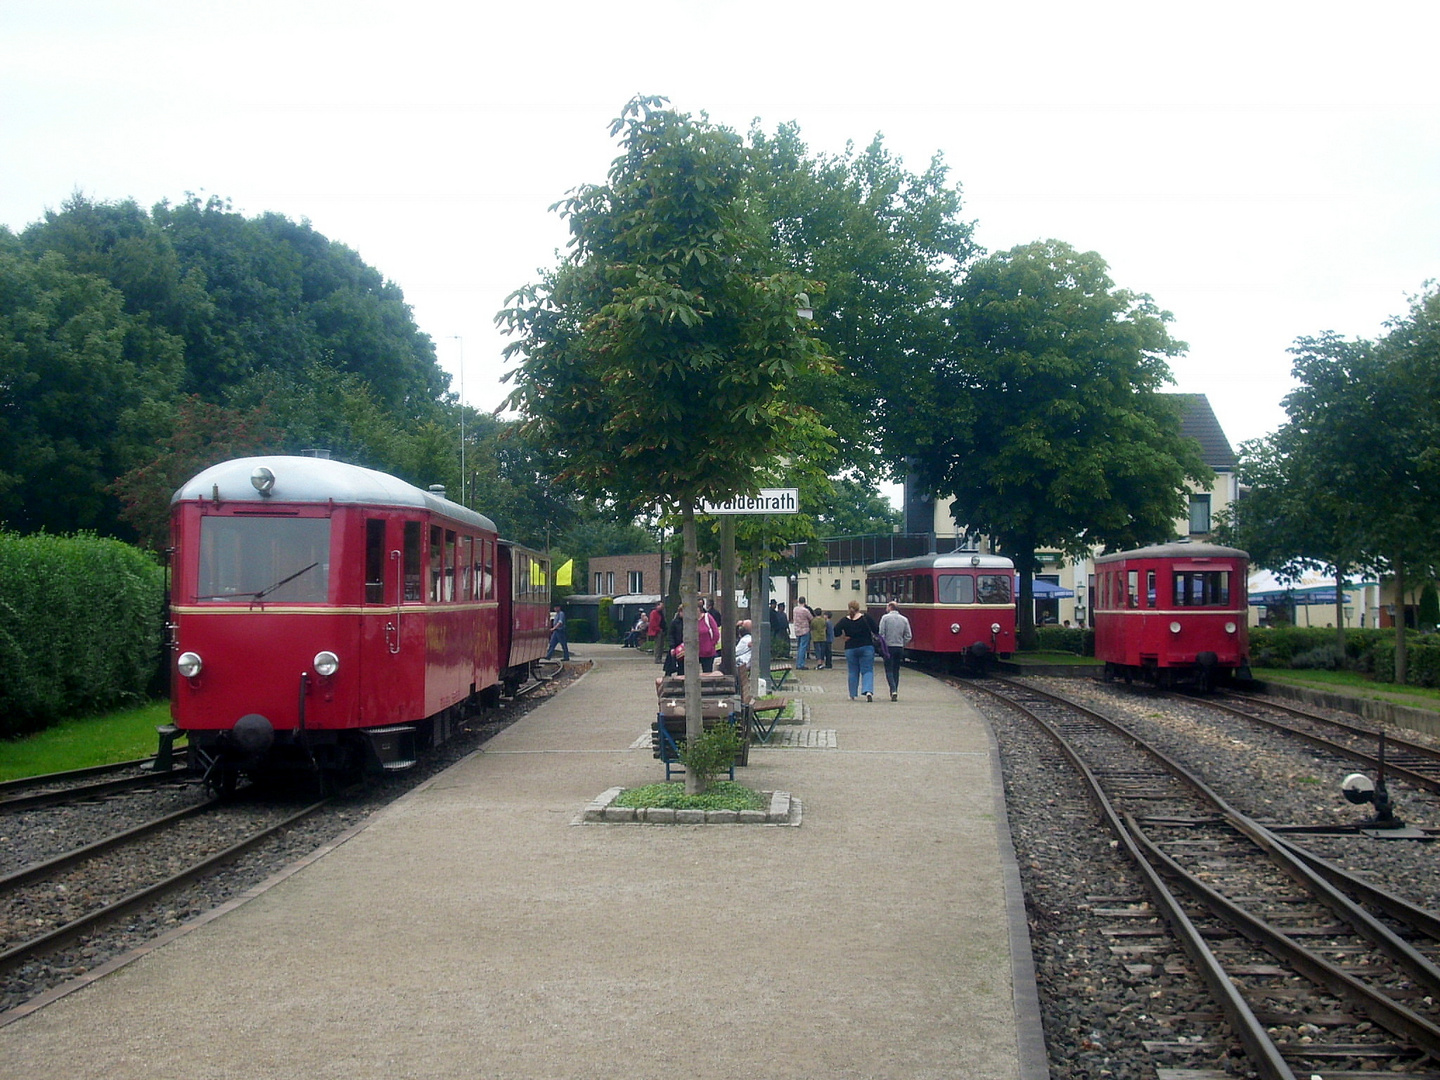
pixel 1285 942
pixel 1414 762
pixel 49 904
pixel 54 789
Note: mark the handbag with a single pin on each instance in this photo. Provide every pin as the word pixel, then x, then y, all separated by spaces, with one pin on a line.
pixel 882 646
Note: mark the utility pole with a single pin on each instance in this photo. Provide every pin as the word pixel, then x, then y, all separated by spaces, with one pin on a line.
pixel 461 340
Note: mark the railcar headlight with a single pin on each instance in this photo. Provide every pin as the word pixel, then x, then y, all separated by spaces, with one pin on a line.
pixel 1174 628
pixel 994 628
pixel 263 480
pixel 326 663
pixel 1229 628
pixel 954 628
pixel 188 664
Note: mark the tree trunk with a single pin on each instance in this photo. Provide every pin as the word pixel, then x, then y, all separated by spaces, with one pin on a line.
pixel 1026 638
pixel 690 605
pixel 1400 621
pixel 728 611
pixel 1340 610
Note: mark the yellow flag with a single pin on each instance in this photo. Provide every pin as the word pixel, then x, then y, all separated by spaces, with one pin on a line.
pixel 565 575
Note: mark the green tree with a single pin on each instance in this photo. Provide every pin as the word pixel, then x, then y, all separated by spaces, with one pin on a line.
pixel 1366 413
pixel 1289 518
pixel 1044 419
pixel 655 360
pixel 79 379
pixel 889 245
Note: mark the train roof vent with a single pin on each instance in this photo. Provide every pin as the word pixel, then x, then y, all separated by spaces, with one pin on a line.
pixel 316 452
pixel 438 490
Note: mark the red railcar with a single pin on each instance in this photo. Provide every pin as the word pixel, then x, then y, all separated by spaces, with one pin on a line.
pixel 961 605
pixel 325 616
pixel 1173 613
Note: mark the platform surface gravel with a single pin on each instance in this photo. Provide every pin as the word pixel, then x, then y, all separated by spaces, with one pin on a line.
pixel 473 930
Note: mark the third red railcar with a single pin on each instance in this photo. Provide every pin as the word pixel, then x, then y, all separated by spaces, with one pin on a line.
pixel 1173 613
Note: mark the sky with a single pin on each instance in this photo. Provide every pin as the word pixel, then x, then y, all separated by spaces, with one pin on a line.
pixel 1265 171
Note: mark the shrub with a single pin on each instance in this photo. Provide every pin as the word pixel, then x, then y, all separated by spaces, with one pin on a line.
pixel 1069 639
pixel 80 627
pixel 710 754
pixel 578 630
pixel 608 630
pixel 1325 658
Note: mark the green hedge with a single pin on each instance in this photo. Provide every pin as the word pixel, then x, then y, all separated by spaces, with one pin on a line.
pixel 81 620
pixel 1370 650
pixel 1069 639
pixel 578 630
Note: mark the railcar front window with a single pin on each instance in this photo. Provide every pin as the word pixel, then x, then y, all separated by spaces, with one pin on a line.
pixel 1202 588
pixel 994 589
pixel 278 560
pixel 957 589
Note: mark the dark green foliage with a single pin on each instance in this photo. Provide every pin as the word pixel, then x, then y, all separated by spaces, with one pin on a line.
pixel 608 631
pixel 708 754
pixel 1069 639
pixel 80 627
pixel 1429 613
pixel 112 319
pixel 1422 656
pixel 579 630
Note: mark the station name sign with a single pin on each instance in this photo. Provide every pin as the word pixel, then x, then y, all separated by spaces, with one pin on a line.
pixel 769 501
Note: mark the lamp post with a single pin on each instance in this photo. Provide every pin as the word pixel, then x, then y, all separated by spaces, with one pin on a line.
pixel 461 340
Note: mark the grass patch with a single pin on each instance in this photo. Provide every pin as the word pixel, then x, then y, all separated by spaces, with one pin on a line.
pixel 1052 657
pixel 1352 682
pixel 78 744
pixel 721 795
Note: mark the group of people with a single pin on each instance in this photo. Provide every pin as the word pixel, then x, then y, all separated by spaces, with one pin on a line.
pixel 863 635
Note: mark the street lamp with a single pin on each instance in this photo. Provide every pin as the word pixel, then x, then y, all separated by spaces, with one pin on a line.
pixel 461 340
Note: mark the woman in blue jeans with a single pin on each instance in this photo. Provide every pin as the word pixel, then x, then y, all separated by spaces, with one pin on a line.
pixel 859 630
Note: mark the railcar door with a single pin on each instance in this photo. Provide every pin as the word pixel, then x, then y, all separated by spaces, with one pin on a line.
pixel 393 571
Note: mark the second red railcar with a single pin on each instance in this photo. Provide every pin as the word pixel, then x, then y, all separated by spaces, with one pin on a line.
pixel 961 605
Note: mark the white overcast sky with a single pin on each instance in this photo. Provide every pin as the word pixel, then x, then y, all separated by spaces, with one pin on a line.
pixel 1263 170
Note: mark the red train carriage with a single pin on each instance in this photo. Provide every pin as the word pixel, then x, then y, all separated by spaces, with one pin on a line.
pixel 961 606
pixel 330 617
pixel 1172 613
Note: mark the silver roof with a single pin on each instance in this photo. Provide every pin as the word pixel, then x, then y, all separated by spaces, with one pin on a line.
pixel 1177 550
pixel 318 480
pixel 953 560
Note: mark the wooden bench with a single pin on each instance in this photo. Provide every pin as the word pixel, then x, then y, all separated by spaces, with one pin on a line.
pixel 778 674
pixel 757 712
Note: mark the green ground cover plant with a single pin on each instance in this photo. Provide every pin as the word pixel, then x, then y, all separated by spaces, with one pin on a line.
pixel 721 795
pixel 1354 682
pixel 77 744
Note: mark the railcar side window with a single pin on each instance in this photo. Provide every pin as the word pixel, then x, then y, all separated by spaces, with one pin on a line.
pixel 414 563
pixel 925 590
pixel 1132 588
pixel 957 589
pixel 466 568
pixel 374 560
pixel 1202 588
pixel 993 589
pixel 278 560
pixel 1149 588
pixel 447 592
pixel 487 572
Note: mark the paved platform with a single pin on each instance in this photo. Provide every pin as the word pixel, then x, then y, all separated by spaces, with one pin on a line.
pixel 473 930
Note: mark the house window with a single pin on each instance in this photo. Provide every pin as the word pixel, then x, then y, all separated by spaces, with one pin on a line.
pixel 609 582
pixel 637 581
pixel 1199 514
pixel 598 580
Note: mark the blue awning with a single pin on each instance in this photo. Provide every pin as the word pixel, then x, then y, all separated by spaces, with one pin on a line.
pixel 1044 590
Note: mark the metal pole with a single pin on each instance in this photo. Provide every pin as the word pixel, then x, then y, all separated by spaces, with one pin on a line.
pixel 461 340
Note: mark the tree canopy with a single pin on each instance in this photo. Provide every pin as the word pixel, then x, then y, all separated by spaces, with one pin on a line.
pixel 656 362
pixel 1043 419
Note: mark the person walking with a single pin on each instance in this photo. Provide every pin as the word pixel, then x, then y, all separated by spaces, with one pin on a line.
pixel 859 631
pixel 822 630
pixel 558 635
pixel 802 618
pixel 895 631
